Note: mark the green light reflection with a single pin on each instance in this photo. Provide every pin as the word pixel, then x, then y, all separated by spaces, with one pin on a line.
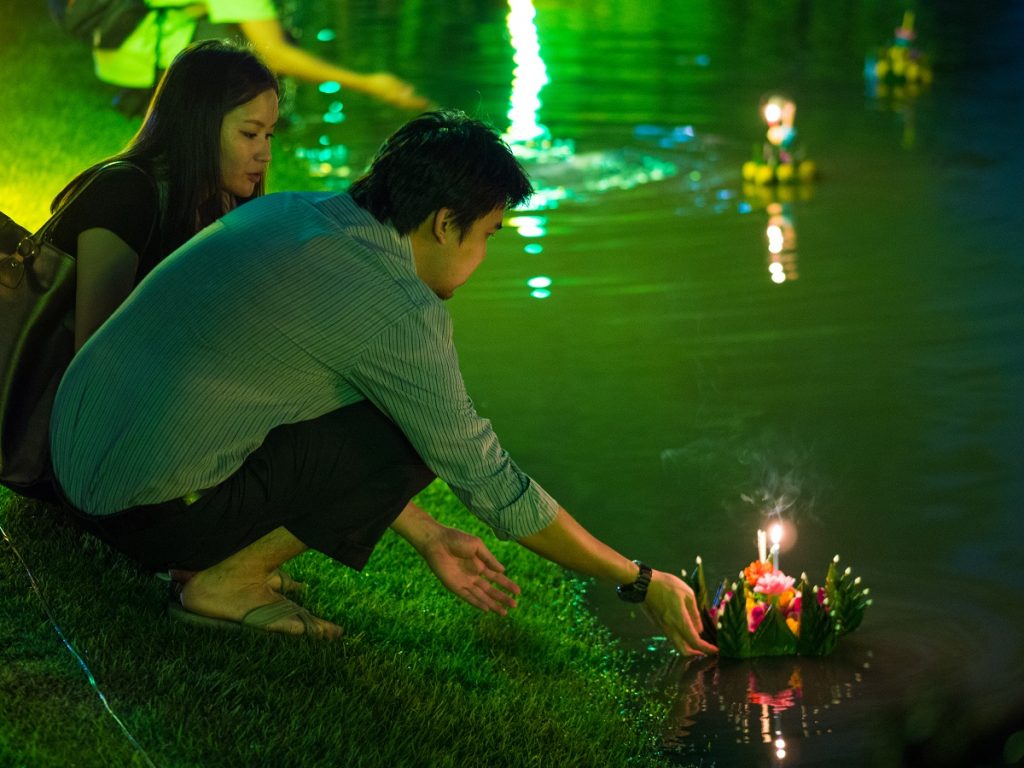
pixel 529 76
pixel 529 226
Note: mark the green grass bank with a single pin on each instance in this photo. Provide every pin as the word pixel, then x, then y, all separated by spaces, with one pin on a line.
pixel 420 679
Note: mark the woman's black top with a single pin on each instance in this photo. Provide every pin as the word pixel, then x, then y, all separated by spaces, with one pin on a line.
pixel 124 200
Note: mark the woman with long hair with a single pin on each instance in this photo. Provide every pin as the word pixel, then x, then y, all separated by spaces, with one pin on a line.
pixel 203 149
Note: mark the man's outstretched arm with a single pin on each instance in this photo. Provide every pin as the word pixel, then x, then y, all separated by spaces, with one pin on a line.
pixel 670 603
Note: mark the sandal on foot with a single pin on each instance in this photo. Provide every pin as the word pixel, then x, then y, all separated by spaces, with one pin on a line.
pixel 288 584
pixel 256 619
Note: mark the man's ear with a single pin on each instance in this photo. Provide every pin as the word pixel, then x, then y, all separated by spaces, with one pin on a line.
pixel 444 225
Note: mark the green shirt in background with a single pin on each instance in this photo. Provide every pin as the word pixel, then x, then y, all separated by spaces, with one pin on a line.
pixel 163 33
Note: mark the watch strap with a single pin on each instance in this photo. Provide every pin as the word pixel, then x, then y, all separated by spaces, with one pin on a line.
pixel 637 591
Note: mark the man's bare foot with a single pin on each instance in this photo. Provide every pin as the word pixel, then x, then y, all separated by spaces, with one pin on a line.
pixel 210 594
pixel 279 581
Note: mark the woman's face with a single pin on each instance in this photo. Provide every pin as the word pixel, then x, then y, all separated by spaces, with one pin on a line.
pixel 245 135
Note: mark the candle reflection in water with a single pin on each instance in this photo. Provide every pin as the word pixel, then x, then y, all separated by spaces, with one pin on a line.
pixel 781 237
pixel 779 203
pixel 775 703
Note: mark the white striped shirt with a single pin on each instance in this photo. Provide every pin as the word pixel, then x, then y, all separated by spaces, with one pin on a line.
pixel 291 306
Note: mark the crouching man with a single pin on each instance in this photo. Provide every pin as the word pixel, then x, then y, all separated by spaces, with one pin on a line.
pixel 287 380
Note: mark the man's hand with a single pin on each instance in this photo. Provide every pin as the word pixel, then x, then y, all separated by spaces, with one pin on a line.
pixel 468 569
pixel 671 605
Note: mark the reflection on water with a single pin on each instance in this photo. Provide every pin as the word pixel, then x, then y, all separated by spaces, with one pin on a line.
pixel 528 77
pixel 578 176
pixel 328 162
pixel 770 707
pixel 558 171
pixel 635 344
pixel 781 237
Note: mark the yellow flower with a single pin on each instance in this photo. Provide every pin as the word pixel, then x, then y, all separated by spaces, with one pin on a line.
pixel 786 598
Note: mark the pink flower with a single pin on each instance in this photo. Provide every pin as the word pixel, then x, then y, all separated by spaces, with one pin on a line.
pixel 756 616
pixel 721 606
pixel 773 583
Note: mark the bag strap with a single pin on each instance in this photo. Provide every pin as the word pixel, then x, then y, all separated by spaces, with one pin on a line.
pixel 29 246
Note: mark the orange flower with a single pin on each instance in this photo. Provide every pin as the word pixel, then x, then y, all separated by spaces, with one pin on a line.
pixel 756 570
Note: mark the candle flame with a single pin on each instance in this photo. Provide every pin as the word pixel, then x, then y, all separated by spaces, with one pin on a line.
pixel 776 533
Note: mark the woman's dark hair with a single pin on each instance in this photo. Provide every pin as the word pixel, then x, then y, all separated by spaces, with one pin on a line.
pixel 441 159
pixel 179 140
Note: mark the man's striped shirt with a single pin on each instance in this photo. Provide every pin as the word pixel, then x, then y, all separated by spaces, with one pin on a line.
pixel 291 306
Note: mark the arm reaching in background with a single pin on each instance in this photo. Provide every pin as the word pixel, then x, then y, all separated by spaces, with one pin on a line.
pixel 271 43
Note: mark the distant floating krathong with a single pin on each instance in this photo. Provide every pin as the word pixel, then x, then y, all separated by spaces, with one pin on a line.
pixel 900 62
pixel 780 159
pixel 767 613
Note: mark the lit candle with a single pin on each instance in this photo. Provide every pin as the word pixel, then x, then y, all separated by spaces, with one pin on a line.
pixel 776 532
pixel 761 546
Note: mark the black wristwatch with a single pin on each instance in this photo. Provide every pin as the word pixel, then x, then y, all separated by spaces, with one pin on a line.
pixel 637 591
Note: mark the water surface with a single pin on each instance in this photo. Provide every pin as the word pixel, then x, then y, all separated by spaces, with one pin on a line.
pixel 663 374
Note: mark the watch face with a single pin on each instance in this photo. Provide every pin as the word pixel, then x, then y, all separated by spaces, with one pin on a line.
pixel 631 595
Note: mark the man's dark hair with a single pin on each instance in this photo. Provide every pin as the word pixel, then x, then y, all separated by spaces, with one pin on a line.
pixel 441 159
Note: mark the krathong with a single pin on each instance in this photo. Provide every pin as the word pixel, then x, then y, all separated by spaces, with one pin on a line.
pixel 900 63
pixel 768 613
pixel 780 158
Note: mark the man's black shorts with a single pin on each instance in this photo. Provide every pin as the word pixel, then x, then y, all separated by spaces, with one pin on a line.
pixel 336 483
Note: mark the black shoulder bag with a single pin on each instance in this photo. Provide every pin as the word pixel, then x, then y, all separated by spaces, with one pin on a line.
pixel 37 342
